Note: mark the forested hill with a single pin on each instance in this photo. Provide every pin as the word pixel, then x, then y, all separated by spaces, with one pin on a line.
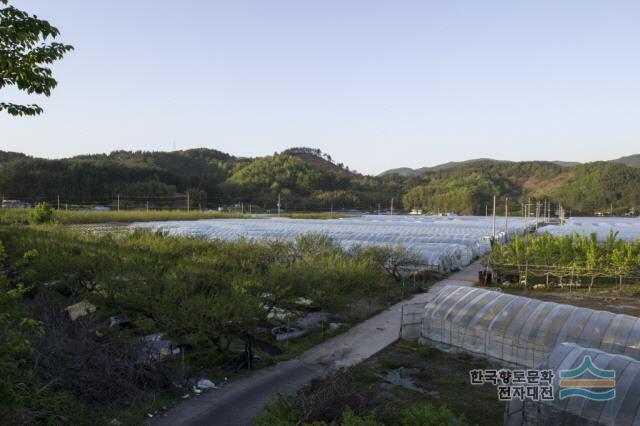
pixel 631 160
pixel 307 179
pixel 6 156
pixel 584 188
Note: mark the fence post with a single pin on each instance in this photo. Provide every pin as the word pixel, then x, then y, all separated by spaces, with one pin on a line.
pixel 401 320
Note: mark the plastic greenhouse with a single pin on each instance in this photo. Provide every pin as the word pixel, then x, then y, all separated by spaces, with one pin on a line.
pixel 626 228
pixel 621 410
pixel 519 330
pixel 445 242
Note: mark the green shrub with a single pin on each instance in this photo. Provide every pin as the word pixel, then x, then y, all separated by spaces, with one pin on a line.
pixel 364 375
pixel 428 415
pixel 350 419
pixel 429 352
pixel 278 412
pixel 42 213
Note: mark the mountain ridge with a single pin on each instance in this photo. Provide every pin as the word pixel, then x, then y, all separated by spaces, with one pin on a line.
pixel 630 160
pixel 307 179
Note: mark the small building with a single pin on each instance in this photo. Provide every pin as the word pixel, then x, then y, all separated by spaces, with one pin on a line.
pixel 15 204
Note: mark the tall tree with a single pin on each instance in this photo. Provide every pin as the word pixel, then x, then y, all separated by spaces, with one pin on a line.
pixel 24 54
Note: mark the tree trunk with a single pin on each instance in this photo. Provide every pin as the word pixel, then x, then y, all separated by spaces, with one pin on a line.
pixel 571 281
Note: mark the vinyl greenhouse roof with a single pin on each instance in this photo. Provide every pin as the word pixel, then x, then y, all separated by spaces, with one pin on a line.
pixel 622 409
pixel 626 228
pixel 520 330
pixel 445 242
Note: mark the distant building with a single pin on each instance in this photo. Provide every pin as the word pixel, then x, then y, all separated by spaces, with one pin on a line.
pixel 15 204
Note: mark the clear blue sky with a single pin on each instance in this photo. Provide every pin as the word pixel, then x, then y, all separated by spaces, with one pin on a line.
pixel 375 84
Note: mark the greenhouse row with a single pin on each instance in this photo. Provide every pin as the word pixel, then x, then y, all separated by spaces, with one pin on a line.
pixel 445 243
pixel 522 331
pixel 627 229
pixel 620 409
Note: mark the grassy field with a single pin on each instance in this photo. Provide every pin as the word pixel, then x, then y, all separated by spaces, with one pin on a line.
pixel 72 217
pixel 441 378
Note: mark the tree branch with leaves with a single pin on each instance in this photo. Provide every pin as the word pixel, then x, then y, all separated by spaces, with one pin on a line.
pixel 25 56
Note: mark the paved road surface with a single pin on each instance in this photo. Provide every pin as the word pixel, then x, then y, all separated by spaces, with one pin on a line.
pixel 240 402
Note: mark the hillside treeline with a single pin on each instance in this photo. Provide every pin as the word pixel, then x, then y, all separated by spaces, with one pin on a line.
pixel 584 188
pixel 307 179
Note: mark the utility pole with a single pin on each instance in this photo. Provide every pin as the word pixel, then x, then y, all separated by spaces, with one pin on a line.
pixel 118 202
pixel 494 217
pixel 506 217
pixel 537 214
pixel 486 210
pixel 545 218
pixel 188 201
pixel 560 213
pixel 278 204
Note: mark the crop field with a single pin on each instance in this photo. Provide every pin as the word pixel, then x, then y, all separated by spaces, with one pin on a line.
pixel 91 217
pixel 443 243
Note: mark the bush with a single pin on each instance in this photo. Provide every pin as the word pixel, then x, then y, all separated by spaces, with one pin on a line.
pixel 428 415
pixel 278 412
pixel 284 411
pixel 42 213
pixel 350 419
